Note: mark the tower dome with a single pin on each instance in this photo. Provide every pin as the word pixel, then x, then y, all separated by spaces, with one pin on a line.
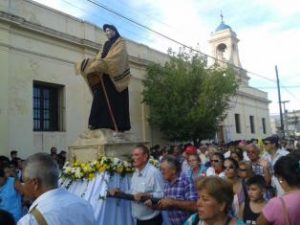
pixel 222 26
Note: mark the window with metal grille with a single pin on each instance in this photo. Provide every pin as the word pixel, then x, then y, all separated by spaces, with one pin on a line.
pixel 46 114
pixel 263 120
pixel 252 125
pixel 237 123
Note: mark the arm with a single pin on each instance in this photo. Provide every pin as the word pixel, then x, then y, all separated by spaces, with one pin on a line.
pixel 271 213
pixel 158 191
pixel 189 198
pixel 155 188
pixel 170 203
pixel 261 220
pixel 241 211
pixel 112 62
pixel 267 172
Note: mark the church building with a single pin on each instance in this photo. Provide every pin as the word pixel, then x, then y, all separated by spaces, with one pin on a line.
pixel 43 104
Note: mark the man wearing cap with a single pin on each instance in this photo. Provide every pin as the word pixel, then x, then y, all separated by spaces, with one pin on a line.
pixel 274 152
pixel 189 150
pixel 13 154
pixel 108 77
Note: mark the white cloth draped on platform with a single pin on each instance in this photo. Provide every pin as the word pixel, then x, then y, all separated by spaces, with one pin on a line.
pixel 109 210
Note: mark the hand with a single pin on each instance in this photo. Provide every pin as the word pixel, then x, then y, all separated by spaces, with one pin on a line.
pixel 165 203
pixel 140 197
pixel 148 203
pixel 114 191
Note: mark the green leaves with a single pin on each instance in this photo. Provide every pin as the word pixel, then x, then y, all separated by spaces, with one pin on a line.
pixel 187 99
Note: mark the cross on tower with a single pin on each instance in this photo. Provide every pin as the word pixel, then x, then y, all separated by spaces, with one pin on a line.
pixel 221 15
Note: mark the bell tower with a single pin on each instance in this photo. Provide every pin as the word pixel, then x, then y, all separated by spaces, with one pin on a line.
pixel 224 43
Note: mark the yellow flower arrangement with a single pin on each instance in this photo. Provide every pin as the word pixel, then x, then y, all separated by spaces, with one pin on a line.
pixel 81 171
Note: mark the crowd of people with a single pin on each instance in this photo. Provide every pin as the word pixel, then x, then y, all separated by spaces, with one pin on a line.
pixel 14 203
pixel 204 185
pixel 239 184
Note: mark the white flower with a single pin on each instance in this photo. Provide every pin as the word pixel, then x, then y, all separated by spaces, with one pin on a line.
pixel 116 161
pixel 93 163
pixel 126 164
pixel 68 169
pixel 78 173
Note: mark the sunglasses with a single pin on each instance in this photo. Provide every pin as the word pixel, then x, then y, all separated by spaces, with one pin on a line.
pixel 229 167
pixel 266 143
pixel 251 152
pixel 214 160
pixel 243 170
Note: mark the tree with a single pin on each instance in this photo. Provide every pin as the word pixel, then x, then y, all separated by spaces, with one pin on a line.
pixel 188 99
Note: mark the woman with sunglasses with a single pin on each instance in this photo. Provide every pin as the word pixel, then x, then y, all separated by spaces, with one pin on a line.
pixel 217 167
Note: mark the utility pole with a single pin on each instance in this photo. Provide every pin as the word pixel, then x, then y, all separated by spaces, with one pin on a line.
pixel 279 99
pixel 285 121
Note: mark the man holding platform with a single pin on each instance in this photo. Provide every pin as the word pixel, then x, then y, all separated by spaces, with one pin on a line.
pixel 180 196
pixel 146 182
pixel 108 77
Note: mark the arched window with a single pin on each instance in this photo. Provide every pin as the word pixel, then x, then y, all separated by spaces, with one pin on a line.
pixel 221 48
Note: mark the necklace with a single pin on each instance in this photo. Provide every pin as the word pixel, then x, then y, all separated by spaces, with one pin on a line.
pixel 201 222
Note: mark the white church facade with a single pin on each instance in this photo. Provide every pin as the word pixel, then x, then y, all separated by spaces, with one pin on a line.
pixel 44 104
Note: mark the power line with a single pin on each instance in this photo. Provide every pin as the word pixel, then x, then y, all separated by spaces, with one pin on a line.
pixel 290 93
pixel 173 40
pixel 177 42
pixel 99 15
pixel 145 14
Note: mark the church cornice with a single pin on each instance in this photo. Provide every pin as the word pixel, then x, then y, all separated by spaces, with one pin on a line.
pixel 219 38
pixel 251 96
pixel 19 22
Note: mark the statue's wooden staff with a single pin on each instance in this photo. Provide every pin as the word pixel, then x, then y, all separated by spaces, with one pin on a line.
pixel 109 106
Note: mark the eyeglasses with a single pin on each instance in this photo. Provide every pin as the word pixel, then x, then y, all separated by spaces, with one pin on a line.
pixel 215 160
pixel 27 180
pixel 229 167
pixel 251 152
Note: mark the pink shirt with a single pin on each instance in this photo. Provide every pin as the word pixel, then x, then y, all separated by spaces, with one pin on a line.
pixel 274 212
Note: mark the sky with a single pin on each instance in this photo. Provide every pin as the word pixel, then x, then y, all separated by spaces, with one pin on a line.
pixel 269 33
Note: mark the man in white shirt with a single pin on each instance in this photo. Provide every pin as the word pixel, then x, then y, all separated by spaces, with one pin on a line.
pixel 146 182
pixel 273 153
pixel 52 205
